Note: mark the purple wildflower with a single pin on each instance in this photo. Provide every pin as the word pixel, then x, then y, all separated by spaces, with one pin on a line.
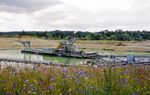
pixel 24 89
pixel 26 81
pixel 80 90
pixel 133 94
pixel 125 72
pixel 33 89
pixel 49 63
pixel 73 66
pixel 76 81
pixel 14 85
pixel 126 80
pixel 82 73
pixel 51 87
pixel 41 82
pixel 31 85
pixel 69 76
pixel 52 79
pixel 77 76
pixel 136 79
pixel 139 65
pixel 8 93
pixel 44 69
pixel 92 76
pixel 65 70
pixel 75 71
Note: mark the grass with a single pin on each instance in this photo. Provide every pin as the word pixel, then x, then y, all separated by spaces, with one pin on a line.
pixel 76 80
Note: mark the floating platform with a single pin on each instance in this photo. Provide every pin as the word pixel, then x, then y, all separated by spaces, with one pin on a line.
pixel 61 53
pixel 67 48
pixel 92 56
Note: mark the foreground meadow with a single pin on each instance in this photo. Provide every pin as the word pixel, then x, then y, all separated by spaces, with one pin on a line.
pixel 76 80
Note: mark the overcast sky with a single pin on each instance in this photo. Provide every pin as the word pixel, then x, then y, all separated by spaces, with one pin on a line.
pixel 86 15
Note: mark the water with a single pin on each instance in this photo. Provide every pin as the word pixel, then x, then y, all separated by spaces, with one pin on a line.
pixel 16 54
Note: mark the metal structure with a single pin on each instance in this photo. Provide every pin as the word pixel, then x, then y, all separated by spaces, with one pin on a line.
pixel 67 48
pixel 119 60
pixel 68 45
pixel 26 44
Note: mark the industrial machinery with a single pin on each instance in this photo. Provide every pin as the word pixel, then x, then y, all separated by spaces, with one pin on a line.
pixel 66 48
pixel 69 49
pixel 68 45
pixel 26 44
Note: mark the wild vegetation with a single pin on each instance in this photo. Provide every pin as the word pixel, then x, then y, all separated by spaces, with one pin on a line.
pixel 84 35
pixel 76 80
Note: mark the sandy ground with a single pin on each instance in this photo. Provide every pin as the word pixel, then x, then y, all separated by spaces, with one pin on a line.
pixel 142 46
pixel 14 43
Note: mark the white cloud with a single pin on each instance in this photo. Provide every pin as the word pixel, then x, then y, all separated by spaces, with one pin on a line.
pixel 26 5
pixel 13 21
pixel 92 15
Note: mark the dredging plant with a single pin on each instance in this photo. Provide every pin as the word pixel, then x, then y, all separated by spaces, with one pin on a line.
pixel 67 48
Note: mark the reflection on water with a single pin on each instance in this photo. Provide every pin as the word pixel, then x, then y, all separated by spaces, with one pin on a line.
pixel 62 60
pixel 18 55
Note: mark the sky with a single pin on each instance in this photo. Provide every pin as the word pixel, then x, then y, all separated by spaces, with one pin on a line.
pixel 77 15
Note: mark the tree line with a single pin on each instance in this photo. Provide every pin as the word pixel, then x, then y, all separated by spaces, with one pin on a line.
pixel 101 35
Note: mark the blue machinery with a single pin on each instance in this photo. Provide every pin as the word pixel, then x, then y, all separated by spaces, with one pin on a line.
pixel 130 59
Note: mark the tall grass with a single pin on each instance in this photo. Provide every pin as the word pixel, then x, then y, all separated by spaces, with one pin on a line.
pixel 79 80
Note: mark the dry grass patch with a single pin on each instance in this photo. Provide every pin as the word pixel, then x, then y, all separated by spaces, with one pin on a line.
pixel 14 43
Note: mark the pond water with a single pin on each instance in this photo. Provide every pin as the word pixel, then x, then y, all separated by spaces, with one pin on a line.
pixel 62 60
pixel 16 54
